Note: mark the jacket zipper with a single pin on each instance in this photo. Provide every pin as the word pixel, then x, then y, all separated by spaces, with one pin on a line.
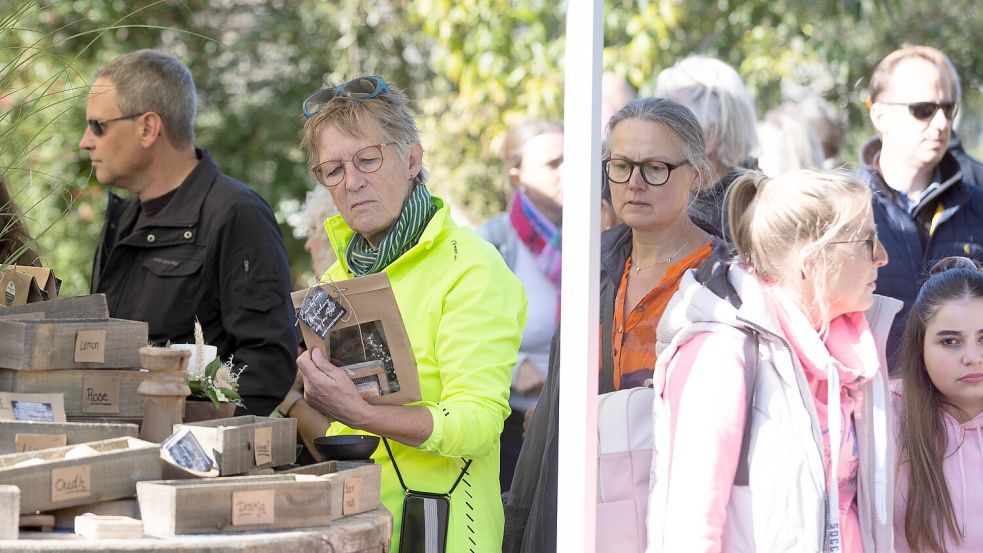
pixel 798 384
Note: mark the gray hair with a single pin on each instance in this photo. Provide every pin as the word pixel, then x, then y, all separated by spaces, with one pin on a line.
pixel 390 110
pixel 720 100
pixel 318 207
pixel 678 119
pixel 154 81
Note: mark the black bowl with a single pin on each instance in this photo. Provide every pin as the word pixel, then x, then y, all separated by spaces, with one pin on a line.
pixel 349 447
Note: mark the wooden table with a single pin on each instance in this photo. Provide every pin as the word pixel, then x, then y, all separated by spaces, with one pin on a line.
pixel 369 532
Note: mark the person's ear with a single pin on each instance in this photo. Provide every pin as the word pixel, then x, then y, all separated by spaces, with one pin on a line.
pixel 514 176
pixel 151 126
pixel 807 266
pixel 878 116
pixel 414 159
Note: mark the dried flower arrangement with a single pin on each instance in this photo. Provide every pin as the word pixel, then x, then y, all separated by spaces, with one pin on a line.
pixel 218 381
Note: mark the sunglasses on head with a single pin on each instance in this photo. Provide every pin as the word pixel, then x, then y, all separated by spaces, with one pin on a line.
pixel 359 88
pixel 98 126
pixel 923 111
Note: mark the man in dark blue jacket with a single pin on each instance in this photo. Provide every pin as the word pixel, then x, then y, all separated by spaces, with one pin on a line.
pixel 188 242
pixel 923 208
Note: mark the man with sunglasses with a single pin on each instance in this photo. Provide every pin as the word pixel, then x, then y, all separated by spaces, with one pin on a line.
pixel 923 207
pixel 188 243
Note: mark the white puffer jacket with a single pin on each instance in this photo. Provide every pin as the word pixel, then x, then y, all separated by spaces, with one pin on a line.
pixel 784 506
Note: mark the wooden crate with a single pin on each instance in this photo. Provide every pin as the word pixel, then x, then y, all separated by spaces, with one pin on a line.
pixel 65 518
pixel 359 484
pixel 9 512
pixel 60 482
pixel 17 436
pixel 48 344
pixel 241 503
pixel 242 444
pixel 92 306
pixel 89 393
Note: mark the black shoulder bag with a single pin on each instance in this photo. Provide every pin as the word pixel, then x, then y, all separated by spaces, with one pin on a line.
pixel 423 528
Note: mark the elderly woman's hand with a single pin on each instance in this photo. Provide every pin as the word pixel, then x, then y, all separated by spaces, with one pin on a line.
pixel 330 390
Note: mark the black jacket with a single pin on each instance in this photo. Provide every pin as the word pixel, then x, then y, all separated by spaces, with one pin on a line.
pixel 948 221
pixel 530 504
pixel 972 169
pixel 213 252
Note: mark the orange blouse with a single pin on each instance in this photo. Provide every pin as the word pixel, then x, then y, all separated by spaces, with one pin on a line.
pixel 634 335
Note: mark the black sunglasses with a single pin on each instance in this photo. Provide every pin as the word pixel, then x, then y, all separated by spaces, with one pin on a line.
pixel 98 126
pixel 923 111
pixel 359 88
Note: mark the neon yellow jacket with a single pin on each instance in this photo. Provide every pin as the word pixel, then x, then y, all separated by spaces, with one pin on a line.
pixel 464 312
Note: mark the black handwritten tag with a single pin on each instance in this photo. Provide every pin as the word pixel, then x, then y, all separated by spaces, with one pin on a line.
pixel 33 411
pixel 321 312
pixel 183 447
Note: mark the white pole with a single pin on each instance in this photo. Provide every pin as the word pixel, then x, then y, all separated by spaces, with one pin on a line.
pixel 577 472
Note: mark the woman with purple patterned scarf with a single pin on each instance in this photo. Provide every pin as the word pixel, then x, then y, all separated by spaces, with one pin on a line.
pixel 528 237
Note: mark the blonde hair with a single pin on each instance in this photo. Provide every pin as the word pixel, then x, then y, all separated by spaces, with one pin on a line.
pixel 797 213
pixel 390 110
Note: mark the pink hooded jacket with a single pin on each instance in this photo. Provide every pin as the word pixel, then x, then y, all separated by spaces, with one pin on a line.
pixel 963 470
pixel 699 421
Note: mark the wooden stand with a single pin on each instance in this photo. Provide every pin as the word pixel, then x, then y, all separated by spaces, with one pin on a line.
pixel 164 391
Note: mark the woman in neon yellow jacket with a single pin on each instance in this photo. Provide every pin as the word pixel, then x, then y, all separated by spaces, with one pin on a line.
pixel 464 310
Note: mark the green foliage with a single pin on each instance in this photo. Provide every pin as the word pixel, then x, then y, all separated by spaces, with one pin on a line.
pixel 210 386
pixel 473 67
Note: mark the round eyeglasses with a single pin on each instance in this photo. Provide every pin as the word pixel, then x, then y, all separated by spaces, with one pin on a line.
pixel 367 160
pixel 654 173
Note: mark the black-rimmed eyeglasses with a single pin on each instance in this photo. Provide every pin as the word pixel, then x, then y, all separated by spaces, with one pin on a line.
pixel 98 126
pixel 654 173
pixel 367 160
pixel 871 243
pixel 359 88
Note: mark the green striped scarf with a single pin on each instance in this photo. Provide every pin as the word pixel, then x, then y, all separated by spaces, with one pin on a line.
pixel 403 235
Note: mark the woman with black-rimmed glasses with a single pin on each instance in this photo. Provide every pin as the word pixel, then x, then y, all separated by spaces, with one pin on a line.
pixel 654 163
pixel 463 309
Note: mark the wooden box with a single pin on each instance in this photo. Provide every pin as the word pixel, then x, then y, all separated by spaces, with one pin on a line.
pixel 242 503
pixel 60 482
pixel 9 512
pixel 89 393
pixel 242 444
pixel 359 484
pixel 92 306
pixel 48 344
pixel 20 436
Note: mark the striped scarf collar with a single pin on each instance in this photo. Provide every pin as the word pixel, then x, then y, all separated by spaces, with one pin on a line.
pixel 404 234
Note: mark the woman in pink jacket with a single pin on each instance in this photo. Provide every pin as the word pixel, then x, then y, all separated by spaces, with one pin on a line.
pixel 813 408
pixel 939 507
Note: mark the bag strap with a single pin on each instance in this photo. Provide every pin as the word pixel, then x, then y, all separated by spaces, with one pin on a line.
pixel 606 382
pixel 751 343
pixel 400 476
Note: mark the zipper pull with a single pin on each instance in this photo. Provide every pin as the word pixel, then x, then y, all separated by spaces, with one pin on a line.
pixel 245 264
